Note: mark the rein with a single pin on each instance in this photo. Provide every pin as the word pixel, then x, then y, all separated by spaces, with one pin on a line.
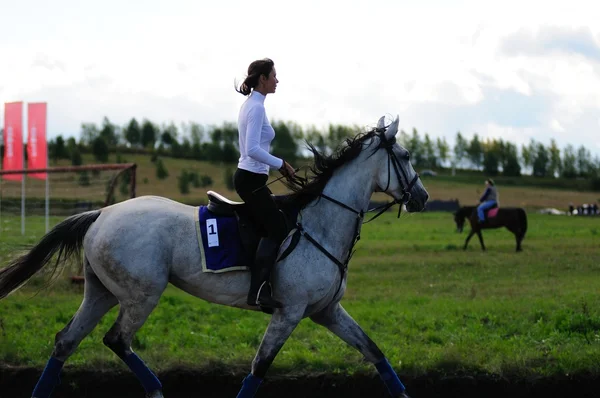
pixel 296 179
pixel 404 199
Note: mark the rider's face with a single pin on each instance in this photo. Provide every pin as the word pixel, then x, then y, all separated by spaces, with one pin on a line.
pixel 270 83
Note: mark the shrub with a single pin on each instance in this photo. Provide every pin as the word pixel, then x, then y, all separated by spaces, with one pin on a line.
pixel 184 182
pixel 228 176
pixel 161 170
pixel 206 181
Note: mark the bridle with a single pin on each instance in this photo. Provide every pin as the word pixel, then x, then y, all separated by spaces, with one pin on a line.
pixel 403 200
pixel 398 169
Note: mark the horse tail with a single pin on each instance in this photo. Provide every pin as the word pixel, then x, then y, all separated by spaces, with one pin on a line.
pixel 66 238
pixel 523 220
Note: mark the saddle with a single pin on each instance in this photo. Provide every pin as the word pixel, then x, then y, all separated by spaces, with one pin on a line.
pixel 250 231
pixel 491 212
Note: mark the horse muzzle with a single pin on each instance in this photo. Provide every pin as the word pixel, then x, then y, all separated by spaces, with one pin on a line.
pixel 415 203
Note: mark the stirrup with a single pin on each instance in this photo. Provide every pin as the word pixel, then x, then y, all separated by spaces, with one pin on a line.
pixel 258 293
pixel 274 303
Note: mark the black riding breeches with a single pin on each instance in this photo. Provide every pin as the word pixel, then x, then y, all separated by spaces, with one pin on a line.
pixel 251 188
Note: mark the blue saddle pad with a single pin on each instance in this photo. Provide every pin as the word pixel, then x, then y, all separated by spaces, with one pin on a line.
pixel 220 242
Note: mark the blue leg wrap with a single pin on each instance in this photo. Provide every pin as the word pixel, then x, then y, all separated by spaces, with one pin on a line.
pixel 50 378
pixel 389 377
pixel 250 386
pixel 145 375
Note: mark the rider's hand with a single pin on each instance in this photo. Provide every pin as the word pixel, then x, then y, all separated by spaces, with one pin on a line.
pixel 287 170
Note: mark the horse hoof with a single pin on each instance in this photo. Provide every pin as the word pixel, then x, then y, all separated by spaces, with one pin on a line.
pixel 155 394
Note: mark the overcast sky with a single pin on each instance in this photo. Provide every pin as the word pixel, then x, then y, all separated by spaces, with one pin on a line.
pixel 510 69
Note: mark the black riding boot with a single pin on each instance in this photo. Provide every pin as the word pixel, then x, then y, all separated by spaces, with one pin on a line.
pixel 266 255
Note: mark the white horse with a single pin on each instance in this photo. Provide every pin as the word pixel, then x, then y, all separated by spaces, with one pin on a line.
pixel 133 249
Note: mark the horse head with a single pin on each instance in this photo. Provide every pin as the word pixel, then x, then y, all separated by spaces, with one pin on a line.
pixel 396 175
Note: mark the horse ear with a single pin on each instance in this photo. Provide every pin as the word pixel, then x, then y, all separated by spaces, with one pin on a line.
pixel 381 123
pixel 391 132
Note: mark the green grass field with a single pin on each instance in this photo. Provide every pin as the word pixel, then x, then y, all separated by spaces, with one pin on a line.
pixel 431 307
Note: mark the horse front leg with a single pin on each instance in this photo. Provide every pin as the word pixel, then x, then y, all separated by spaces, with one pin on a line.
pixel 337 320
pixel 468 239
pixel 283 322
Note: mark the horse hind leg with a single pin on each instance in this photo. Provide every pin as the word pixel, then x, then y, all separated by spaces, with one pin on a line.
pixel 338 321
pixel 480 236
pixel 519 235
pixel 137 279
pixel 132 316
pixel 97 301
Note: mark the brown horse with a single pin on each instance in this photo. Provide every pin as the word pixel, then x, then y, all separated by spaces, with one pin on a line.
pixel 513 218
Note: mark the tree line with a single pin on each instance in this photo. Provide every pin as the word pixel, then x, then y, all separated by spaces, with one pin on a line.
pixel 220 144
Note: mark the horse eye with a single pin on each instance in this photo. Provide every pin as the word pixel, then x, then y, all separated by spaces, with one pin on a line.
pixel 407 156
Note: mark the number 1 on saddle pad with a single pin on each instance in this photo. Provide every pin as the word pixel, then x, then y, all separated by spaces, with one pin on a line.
pixel 213 232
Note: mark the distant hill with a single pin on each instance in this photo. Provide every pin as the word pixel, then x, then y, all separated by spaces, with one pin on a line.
pixel 466 186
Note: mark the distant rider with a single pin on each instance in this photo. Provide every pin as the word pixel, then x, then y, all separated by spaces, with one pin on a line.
pixel 488 200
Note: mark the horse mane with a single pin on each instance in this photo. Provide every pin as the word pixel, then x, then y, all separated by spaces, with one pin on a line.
pixel 465 211
pixel 323 167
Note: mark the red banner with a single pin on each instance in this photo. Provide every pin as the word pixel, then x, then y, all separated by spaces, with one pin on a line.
pixel 13 139
pixel 37 148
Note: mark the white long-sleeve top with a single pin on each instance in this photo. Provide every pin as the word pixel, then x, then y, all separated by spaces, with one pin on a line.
pixel 256 135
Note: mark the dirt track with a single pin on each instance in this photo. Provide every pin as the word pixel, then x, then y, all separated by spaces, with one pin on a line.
pixel 187 384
